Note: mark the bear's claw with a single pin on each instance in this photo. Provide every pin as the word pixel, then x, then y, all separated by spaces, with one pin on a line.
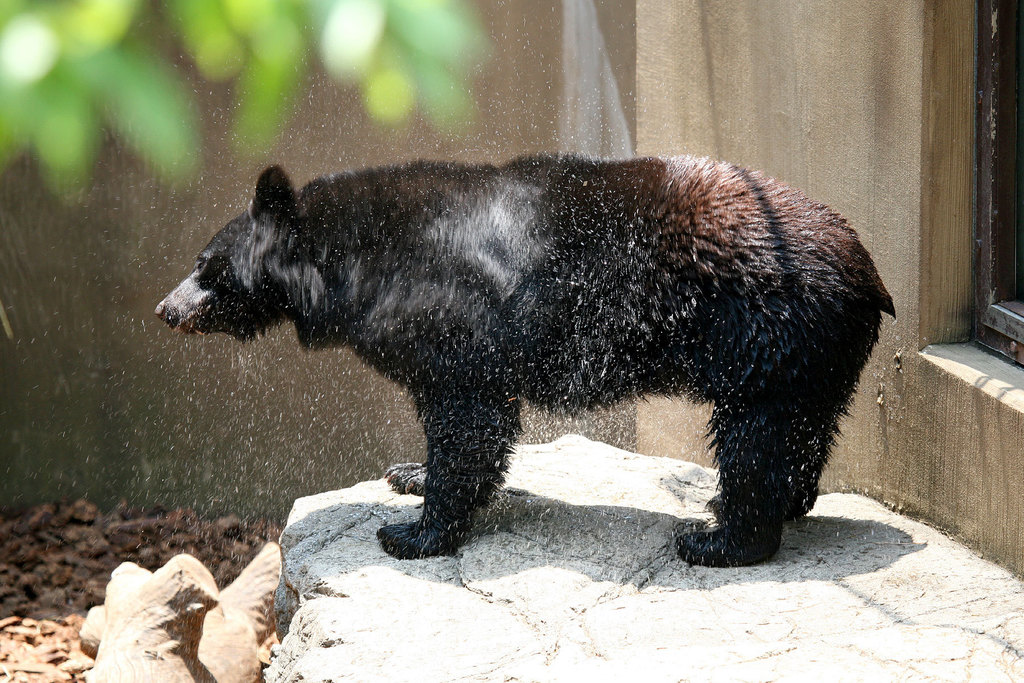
pixel 407 478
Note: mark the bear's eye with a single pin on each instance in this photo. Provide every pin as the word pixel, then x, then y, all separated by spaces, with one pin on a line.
pixel 210 270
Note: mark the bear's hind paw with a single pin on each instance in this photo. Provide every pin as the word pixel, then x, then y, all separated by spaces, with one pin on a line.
pixel 720 547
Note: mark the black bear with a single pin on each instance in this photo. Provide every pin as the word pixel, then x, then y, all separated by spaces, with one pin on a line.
pixel 570 283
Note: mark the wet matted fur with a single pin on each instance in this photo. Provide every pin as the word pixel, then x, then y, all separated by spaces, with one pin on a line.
pixel 571 283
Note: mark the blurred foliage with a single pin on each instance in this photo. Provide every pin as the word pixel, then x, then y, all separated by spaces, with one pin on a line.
pixel 70 69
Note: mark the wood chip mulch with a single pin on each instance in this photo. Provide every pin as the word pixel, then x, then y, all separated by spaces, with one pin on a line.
pixel 56 559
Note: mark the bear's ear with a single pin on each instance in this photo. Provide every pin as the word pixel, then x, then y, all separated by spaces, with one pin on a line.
pixel 274 195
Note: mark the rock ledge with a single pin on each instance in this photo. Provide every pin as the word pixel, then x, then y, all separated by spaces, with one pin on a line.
pixel 572 575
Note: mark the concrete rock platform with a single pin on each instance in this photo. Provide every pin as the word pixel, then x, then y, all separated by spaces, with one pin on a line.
pixel 572 575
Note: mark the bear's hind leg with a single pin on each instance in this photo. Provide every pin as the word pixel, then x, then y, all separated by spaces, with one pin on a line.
pixel 804 497
pixel 809 443
pixel 811 440
pixel 805 487
pixel 803 502
pixel 752 451
pixel 469 438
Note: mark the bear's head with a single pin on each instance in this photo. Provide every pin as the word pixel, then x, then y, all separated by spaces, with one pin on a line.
pixel 229 289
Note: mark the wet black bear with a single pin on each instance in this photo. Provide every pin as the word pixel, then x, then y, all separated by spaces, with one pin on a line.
pixel 570 283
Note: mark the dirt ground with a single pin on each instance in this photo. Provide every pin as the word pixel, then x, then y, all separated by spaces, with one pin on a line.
pixel 56 559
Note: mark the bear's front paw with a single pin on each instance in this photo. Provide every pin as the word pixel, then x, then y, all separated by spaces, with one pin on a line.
pixel 411 541
pixel 722 547
pixel 407 478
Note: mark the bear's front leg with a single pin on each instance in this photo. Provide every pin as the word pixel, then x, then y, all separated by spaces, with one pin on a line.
pixel 469 437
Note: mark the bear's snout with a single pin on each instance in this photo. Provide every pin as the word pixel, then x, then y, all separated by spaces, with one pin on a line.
pixel 181 307
pixel 174 317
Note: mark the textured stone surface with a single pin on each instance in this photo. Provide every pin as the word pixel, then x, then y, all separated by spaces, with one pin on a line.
pixel 572 574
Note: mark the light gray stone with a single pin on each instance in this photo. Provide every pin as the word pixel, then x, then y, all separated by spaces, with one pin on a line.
pixel 572 575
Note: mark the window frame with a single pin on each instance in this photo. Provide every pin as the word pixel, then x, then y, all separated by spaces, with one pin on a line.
pixel 998 309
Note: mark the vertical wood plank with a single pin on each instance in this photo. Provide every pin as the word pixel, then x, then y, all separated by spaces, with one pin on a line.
pixel 946 295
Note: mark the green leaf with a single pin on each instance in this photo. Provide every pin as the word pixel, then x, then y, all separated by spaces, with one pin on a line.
pixel 280 41
pixel 389 95
pixel 267 91
pixel 64 130
pixel 8 143
pixel 218 52
pixel 88 25
pixel 147 105
pixel 9 9
pixel 438 29
pixel 446 100
pixel 248 16
pixel 351 34
pixel 29 49
pixel 72 65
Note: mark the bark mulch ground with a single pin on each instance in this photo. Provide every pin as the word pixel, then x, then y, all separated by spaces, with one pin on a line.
pixel 56 559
